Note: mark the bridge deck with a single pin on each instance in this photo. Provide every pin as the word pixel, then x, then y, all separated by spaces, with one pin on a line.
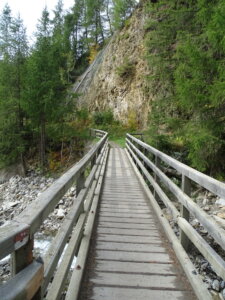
pixel 130 257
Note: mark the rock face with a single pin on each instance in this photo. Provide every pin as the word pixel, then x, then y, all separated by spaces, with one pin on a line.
pixel 118 83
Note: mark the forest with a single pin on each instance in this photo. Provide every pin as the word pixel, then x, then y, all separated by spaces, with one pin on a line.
pixel 185 47
pixel 38 111
pixel 185 52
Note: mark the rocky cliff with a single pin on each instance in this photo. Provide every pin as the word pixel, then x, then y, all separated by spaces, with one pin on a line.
pixel 118 81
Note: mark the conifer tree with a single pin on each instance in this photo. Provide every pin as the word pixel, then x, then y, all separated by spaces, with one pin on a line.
pixel 121 11
pixel 40 94
pixel 14 50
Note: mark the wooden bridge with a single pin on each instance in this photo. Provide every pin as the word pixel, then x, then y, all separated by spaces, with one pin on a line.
pixel 123 242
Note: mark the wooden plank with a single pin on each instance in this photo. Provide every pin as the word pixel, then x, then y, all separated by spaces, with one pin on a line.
pixel 122 200
pixel 157 248
pixel 121 188
pixel 128 232
pixel 122 194
pixel 61 274
pixel 54 252
pixel 133 256
pixel 13 236
pixel 120 204
pixel 189 269
pixel 25 284
pixel 126 215
pixel 117 202
pixel 128 239
pixel 135 267
pixel 115 293
pixel 139 281
pixel 75 282
pixel 136 220
pixel 128 225
pixel 124 210
pixel 168 203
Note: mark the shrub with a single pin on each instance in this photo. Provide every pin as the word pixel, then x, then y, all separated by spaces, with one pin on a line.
pixel 103 118
pixel 126 69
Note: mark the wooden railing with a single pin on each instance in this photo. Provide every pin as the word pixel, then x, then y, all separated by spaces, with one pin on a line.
pixel 151 164
pixel 31 277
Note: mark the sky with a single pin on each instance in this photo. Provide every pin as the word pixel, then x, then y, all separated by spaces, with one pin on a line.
pixel 31 10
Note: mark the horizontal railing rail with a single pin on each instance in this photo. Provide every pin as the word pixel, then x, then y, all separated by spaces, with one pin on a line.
pixel 17 237
pixel 159 184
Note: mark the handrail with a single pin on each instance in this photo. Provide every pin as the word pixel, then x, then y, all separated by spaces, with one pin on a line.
pixel 25 285
pixel 14 235
pixel 16 238
pixel 188 234
pixel 205 181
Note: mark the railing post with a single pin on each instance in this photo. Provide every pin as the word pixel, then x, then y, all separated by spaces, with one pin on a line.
pixel 93 161
pixel 21 258
pixel 80 183
pixel 157 164
pixel 186 188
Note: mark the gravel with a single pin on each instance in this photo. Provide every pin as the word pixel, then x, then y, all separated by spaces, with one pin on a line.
pixel 15 195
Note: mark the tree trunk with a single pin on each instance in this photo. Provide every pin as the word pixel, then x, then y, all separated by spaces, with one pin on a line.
pixel 42 143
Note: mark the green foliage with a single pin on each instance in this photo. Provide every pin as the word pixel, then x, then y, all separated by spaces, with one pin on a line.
pixel 36 110
pixel 103 118
pixel 185 52
pixel 121 11
pixel 126 69
pixel 13 48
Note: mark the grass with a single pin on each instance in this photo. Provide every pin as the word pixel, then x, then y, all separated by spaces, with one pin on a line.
pixel 119 140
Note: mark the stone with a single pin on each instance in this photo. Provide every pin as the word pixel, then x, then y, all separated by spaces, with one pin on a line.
pixel 221 202
pixel 60 213
pixel 195 223
pixel 223 293
pixel 216 285
pixel 205 201
pixel 203 231
pixel 204 266
pixel 222 284
pixel 206 208
pixel 221 215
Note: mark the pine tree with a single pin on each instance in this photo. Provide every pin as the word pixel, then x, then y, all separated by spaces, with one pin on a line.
pixel 121 11
pixel 46 103
pixel 39 103
pixel 14 49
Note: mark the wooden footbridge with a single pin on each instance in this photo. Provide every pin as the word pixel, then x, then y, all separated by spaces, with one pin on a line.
pixel 124 245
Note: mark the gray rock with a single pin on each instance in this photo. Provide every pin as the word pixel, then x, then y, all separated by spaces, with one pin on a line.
pixel 220 202
pixel 60 213
pixel 195 223
pixel 222 284
pixel 206 208
pixel 205 201
pixel 223 293
pixel 216 285
pixel 204 266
